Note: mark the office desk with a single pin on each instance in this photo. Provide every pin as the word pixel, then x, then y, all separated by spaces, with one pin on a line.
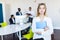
pixel 9 29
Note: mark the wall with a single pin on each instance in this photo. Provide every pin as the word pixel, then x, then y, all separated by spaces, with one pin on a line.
pixel 53 8
pixel 7 12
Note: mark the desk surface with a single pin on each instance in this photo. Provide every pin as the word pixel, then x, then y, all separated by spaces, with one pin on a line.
pixel 13 28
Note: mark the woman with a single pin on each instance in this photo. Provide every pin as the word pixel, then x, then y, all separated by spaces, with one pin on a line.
pixel 42 25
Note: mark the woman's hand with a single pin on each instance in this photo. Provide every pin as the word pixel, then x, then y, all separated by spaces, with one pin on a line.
pixel 46 28
pixel 38 32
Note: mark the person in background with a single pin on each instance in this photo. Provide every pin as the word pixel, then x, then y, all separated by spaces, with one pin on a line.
pixel 12 19
pixel 42 25
pixel 18 13
pixel 30 14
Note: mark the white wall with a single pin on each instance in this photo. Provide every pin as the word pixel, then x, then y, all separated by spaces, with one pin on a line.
pixel 53 8
pixel 54 11
pixel 7 12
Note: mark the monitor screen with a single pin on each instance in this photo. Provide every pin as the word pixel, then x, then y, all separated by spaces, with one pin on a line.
pixel 20 19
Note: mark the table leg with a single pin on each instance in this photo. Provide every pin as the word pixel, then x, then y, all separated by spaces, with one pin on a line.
pixel 1 37
pixel 19 35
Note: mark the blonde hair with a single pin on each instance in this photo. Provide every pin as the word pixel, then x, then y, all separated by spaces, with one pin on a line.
pixel 38 14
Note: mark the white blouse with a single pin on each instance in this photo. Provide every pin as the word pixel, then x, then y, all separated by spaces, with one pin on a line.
pixel 45 34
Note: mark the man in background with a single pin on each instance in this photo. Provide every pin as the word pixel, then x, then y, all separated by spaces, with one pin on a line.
pixel 30 14
pixel 12 19
pixel 18 13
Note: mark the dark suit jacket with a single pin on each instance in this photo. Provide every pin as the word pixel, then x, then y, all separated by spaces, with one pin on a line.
pixel 11 21
pixel 17 13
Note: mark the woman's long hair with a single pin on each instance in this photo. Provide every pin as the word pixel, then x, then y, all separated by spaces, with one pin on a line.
pixel 38 14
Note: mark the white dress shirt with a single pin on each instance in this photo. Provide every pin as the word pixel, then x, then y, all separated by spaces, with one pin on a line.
pixel 20 13
pixel 13 20
pixel 45 34
pixel 32 14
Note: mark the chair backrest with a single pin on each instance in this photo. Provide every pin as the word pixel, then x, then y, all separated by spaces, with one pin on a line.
pixel 30 31
pixel 4 24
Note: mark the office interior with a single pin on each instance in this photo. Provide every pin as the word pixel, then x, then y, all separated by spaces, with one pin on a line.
pixel 9 7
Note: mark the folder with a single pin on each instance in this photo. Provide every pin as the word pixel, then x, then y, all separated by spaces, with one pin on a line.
pixel 41 25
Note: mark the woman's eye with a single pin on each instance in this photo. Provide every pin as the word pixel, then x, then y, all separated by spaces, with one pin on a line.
pixel 43 8
pixel 39 8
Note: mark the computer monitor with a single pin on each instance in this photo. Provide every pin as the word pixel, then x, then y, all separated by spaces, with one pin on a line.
pixel 21 19
pixel 1 13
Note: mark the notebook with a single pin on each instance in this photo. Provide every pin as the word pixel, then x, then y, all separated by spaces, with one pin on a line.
pixel 41 25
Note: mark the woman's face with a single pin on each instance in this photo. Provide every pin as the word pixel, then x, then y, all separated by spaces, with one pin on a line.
pixel 42 10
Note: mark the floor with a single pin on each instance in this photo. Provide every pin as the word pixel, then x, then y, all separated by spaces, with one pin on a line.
pixel 57 34
pixel 10 36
